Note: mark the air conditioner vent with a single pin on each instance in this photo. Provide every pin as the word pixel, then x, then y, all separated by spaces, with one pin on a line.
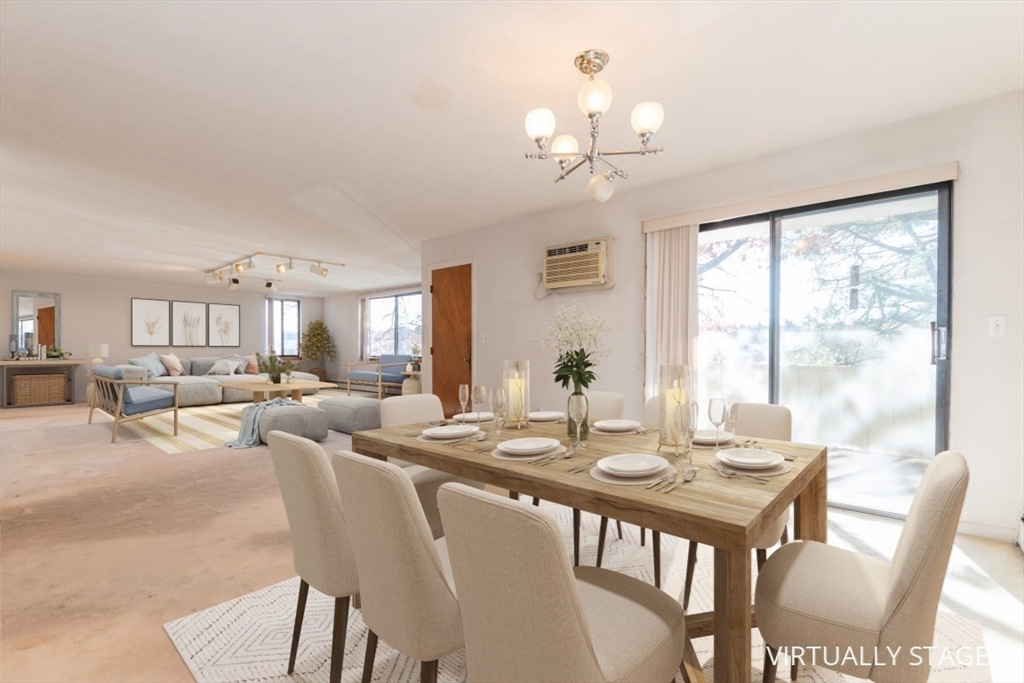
pixel 578 264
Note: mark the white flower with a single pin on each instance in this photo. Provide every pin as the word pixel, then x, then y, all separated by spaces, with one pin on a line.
pixel 576 327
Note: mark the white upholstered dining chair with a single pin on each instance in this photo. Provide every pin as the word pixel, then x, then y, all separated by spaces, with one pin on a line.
pixel 605 405
pixel 405 585
pixel 415 409
pixel 320 541
pixel 812 594
pixel 529 616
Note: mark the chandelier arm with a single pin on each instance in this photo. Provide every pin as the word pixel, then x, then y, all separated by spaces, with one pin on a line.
pixel 566 172
pixel 650 150
pixel 616 171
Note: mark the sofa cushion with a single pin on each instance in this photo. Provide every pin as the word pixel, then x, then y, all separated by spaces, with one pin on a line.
pixel 107 372
pixel 173 365
pixel 201 365
pixel 223 367
pixel 152 364
pixel 192 391
pixel 143 399
pixel 186 363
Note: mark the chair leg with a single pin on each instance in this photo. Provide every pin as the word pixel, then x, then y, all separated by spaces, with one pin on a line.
pixel 371 654
pixel 536 501
pixel 428 671
pixel 300 609
pixel 575 537
pixel 762 555
pixel 690 666
pixel 600 540
pixel 656 545
pixel 643 535
pixel 785 536
pixel 113 436
pixel 691 562
pixel 514 495
pixel 618 527
pixel 792 671
pixel 338 639
pixel 770 664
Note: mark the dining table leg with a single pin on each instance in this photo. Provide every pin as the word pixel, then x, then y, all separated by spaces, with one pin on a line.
pixel 732 622
pixel 810 519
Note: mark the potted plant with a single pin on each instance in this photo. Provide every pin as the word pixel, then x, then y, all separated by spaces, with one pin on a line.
pixel 273 365
pixel 316 345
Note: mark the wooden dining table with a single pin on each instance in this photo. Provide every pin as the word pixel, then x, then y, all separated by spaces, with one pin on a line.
pixel 725 513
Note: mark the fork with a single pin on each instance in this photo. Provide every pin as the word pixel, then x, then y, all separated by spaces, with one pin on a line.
pixel 671 481
pixel 581 466
pixel 730 474
pixel 688 477
pixel 667 479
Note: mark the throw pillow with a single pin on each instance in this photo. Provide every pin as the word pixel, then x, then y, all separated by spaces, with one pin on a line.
pixel 253 366
pixel 223 367
pixel 242 361
pixel 152 365
pixel 173 365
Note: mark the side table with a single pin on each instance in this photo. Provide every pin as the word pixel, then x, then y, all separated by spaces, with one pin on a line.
pixel 412 384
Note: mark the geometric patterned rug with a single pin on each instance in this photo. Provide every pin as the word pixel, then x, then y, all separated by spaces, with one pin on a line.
pixel 247 639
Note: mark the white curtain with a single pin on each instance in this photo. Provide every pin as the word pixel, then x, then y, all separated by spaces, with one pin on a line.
pixel 670 309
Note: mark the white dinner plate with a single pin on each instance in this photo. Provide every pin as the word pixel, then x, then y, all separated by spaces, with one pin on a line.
pixel 617 425
pixel 546 416
pixel 528 446
pixel 482 416
pixel 450 432
pixel 749 458
pixel 632 464
pixel 707 436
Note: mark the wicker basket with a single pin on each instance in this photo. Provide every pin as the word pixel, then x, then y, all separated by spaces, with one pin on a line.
pixel 29 390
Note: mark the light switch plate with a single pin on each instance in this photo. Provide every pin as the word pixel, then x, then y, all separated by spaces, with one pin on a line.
pixel 997 326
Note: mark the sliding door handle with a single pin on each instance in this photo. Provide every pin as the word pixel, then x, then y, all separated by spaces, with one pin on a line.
pixel 940 340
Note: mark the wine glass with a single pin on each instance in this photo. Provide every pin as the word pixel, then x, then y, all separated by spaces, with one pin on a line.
pixel 463 399
pixel 577 413
pixel 716 413
pixel 685 422
pixel 498 407
pixel 479 399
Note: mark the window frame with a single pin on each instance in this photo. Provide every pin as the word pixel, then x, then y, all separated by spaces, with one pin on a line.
pixel 275 338
pixel 365 325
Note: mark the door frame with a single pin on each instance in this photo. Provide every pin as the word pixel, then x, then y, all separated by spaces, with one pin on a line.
pixel 427 363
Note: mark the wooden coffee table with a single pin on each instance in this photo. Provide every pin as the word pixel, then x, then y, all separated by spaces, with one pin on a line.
pixel 263 391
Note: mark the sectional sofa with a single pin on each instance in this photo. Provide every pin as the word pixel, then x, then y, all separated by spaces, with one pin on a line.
pixel 196 385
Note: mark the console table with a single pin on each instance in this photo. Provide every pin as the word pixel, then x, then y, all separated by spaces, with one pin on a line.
pixel 38 382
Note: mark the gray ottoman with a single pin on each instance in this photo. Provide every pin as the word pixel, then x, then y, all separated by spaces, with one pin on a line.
pixel 351 414
pixel 306 421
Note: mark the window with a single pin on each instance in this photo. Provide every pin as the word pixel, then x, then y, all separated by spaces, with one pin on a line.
pixel 392 324
pixel 283 326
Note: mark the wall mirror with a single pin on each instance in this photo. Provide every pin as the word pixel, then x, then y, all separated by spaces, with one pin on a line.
pixel 35 319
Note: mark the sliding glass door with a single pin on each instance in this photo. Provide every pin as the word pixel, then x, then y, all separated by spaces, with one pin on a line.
pixel 839 312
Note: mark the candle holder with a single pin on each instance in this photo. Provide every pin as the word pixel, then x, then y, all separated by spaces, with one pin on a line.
pixel 516 380
pixel 675 391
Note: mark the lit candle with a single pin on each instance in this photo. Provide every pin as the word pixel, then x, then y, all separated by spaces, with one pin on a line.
pixel 516 409
pixel 673 400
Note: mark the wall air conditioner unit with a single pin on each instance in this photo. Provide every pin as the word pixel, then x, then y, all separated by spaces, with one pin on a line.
pixel 588 263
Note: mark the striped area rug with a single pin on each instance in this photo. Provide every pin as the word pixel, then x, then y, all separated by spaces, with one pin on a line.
pixel 247 639
pixel 199 427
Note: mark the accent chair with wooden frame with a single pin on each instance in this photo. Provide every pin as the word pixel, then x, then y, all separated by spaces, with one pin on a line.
pixel 386 373
pixel 130 399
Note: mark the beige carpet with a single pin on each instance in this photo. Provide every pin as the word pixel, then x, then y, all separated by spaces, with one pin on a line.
pixel 199 427
pixel 247 639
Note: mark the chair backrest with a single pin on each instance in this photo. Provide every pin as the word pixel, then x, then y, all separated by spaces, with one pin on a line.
pixel 320 539
pixel 521 608
pixel 406 597
pixel 404 410
pixel 764 421
pixel 605 405
pixel 652 418
pixel 919 565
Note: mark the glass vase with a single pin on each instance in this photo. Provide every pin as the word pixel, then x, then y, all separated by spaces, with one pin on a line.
pixel 516 382
pixel 675 391
pixel 584 424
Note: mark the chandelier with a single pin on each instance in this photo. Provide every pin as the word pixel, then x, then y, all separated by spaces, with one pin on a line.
pixel 594 100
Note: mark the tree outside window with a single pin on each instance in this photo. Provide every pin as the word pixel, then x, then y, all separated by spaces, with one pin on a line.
pixel 283 326
pixel 393 324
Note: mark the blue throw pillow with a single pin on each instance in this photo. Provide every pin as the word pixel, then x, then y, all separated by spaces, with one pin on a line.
pixel 152 365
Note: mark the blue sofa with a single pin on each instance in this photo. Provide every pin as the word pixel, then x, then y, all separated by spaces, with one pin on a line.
pixel 383 373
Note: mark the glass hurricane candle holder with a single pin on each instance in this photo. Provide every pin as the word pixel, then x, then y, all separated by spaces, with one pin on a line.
pixel 516 381
pixel 675 390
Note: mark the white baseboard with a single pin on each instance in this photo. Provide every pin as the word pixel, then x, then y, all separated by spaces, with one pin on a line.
pixel 999 533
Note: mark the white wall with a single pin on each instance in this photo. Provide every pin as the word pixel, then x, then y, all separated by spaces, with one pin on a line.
pixel 99 310
pixel 986 137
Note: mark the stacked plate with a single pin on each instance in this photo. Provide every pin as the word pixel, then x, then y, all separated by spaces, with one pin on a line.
pixel 631 468
pixel 448 433
pixel 482 416
pixel 616 426
pixel 546 416
pixel 752 459
pixel 706 437
pixel 529 448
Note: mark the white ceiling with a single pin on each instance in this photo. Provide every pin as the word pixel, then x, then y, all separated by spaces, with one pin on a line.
pixel 162 139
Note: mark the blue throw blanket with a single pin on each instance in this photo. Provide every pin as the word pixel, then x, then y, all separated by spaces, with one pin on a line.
pixel 249 432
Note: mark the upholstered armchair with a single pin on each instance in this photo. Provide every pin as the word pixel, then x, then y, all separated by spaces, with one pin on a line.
pixel 126 399
pixel 385 372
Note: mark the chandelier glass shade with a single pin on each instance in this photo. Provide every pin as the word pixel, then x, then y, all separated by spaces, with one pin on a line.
pixel 595 97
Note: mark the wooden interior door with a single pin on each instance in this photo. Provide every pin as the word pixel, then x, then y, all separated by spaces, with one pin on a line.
pixel 46 327
pixel 451 291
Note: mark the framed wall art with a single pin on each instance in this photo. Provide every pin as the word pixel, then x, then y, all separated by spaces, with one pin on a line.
pixel 151 322
pixel 223 325
pixel 188 323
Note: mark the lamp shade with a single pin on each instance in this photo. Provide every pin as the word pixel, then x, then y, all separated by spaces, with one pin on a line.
pixel 564 147
pixel 97 352
pixel 601 187
pixel 595 97
pixel 540 124
pixel 647 117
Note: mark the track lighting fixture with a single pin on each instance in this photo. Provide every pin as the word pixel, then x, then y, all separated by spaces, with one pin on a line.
pixel 211 278
pixel 284 267
pixel 271 286
pixel 283 263
pixel 242 267
pixel 317 269
pixel 233 283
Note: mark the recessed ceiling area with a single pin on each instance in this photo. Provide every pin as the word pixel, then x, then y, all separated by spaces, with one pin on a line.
pixel 159 140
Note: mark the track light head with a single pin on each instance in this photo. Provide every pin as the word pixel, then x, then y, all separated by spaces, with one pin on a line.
pixel 211 278
pixel 284 267
pixel 316 269
pixel 271 286
pixel 233 283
